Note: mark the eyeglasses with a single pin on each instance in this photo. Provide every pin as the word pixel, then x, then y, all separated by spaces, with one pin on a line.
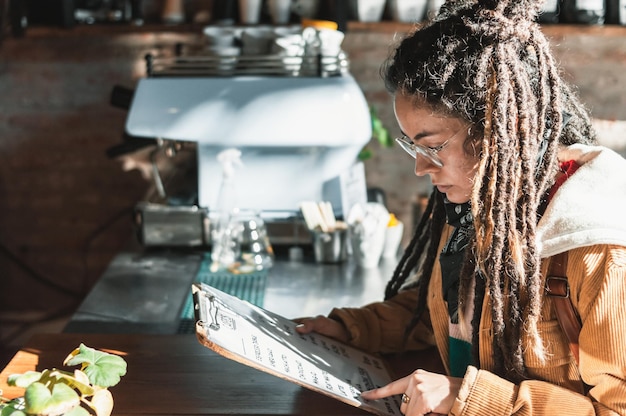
pixel 431 154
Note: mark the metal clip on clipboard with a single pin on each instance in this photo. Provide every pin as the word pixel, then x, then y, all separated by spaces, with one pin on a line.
pixel 203 314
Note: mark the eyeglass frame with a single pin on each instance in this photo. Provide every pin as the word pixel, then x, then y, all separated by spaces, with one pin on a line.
pixel 429 153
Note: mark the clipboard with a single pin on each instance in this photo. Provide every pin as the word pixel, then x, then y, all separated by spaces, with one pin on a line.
pixel 269 342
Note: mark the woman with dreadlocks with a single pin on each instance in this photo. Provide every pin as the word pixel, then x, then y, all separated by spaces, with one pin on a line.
pixel 517 180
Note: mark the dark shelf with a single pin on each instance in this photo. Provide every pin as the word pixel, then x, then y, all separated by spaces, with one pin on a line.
pixel 551 30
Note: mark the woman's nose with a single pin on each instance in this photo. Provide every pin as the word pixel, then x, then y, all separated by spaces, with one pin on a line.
pixel 424 166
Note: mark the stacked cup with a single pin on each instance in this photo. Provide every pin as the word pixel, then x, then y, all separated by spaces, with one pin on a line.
pixel 368 226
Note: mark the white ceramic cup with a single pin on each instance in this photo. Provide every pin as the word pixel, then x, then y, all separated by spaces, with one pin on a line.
pixel 305 8
pixel 433 7
pixel 393 238
pixel 330 41
pixel 280 11
pixel 291 45
pixel 368 10
pixel 367 250
pixel 281 31
pixel 408 10
pixel 216 36
pixel 250 11
pixel 256 41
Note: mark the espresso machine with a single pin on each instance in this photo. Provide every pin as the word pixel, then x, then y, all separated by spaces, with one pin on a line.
pixel 299 125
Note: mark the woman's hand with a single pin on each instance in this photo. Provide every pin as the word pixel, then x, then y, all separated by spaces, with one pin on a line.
pixel 424 393
pixel 323 325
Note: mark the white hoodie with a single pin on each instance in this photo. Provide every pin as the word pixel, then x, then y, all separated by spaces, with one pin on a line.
pixel 590 207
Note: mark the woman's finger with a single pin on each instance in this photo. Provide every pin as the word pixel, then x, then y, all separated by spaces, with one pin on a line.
pixel 323 325
pixel 395 387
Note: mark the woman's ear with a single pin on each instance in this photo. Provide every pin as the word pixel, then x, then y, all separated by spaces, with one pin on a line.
pixel 472 140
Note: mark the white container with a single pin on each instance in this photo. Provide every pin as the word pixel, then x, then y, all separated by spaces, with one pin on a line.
pixel 368 226
pixel 393 238
pixel 330 41
pixel 280 11
pixel 368 250
pixel 433 8
pixel 368 10
pixel 305 8
pixel 257 40
pixel 216 36
pixel 408 10
pixel 250 11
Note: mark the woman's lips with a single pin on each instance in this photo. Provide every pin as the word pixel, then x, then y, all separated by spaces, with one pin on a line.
pixel 443 188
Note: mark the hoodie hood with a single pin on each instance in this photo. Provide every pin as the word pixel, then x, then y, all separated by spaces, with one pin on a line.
pixel 590 207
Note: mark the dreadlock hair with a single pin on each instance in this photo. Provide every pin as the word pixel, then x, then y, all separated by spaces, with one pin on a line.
pixel 487 62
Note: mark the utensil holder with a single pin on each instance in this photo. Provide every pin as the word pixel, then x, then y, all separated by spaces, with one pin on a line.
pixel 330 247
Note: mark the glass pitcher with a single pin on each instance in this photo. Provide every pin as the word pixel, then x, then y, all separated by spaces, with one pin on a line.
pixel 254 245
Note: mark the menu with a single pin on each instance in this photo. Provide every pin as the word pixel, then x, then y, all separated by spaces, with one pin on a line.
pixel 269 342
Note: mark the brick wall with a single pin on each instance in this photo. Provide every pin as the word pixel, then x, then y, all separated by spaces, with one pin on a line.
pixel 64 206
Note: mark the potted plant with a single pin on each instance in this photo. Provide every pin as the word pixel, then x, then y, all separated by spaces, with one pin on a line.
pixel 379 133
pixel 56 392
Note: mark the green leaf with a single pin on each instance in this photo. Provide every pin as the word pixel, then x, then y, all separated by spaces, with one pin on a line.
pixel 77 411
pixel 10 411
pixel 384 138
pixel 80 382
pixel 379 132
pixel 364 154
pixel 77 381
pixel 102 368
pixel 102 402
pixel 14 407
pixel 23 380
pixel 40 400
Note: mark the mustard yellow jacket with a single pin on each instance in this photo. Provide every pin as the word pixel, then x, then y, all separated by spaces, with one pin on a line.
pixel 597 277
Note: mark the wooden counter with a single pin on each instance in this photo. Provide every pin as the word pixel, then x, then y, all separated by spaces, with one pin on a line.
pixel 176 375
